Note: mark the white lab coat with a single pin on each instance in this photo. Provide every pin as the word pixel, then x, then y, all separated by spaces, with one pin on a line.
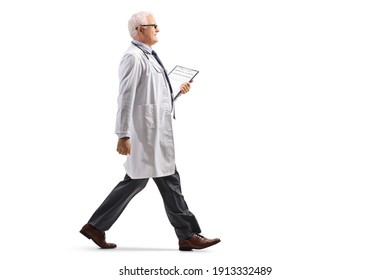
pixel 145 115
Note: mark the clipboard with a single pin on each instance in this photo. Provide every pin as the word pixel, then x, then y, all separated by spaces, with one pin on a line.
pixel 178 76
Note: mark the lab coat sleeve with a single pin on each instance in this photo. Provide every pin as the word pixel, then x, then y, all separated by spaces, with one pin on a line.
pixel 129 75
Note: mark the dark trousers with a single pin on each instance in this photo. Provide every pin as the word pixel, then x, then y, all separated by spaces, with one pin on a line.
pixel 181 218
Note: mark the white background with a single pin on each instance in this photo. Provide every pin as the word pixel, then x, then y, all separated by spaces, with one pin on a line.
pixel 282 143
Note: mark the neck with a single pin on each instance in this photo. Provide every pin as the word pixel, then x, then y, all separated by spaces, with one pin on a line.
pixel 139 39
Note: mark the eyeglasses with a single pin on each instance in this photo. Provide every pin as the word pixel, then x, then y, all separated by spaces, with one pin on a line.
pixel 146 25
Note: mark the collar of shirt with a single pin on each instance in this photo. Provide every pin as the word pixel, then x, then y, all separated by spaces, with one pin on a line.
pixel 143 46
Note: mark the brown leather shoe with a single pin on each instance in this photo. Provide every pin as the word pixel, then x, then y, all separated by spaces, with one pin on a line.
pixel 97 236
pixel 197 241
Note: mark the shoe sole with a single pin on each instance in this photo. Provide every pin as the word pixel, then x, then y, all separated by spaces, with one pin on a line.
pixel 192 248
pixel 185 249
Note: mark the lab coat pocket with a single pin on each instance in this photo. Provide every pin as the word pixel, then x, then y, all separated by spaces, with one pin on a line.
pixel 146 116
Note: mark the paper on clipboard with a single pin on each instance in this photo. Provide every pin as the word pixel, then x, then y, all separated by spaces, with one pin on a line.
pixel 178 76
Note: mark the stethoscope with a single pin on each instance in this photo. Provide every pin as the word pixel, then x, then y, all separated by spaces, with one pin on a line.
pixel 144 52
pixel 147 54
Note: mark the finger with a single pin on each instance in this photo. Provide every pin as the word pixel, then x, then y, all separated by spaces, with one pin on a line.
pixel 121 151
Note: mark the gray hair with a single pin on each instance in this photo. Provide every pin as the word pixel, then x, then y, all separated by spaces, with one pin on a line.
pixel 136 20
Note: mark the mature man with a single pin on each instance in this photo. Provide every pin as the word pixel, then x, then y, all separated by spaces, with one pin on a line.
pixel 144 129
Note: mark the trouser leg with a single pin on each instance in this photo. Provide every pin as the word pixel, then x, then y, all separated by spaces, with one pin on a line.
pixel 179 215
pixel 113 206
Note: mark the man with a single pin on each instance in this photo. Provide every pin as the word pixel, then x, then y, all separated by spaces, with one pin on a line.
pixel 144 129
